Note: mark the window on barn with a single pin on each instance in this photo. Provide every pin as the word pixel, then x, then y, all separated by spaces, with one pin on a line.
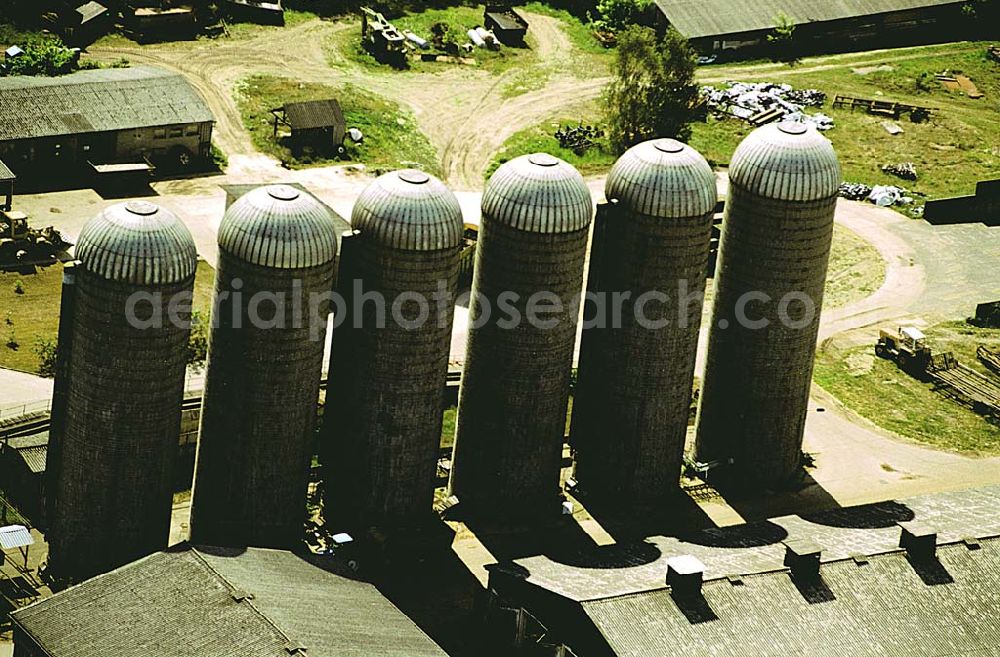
pixel 160 133
pixel 191 130
pixel 176 131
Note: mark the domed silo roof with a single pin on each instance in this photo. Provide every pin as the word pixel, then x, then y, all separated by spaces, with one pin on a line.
pixel 409 210
pixel 538 193
pixel 663 178
pixel 787 161
pixel 280 227
pixel 137 243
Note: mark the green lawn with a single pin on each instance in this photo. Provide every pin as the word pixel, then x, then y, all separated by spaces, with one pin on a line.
pixel 34 315
pixel 877 390
pixel 955 149
pixel 392 138
pixel 541 138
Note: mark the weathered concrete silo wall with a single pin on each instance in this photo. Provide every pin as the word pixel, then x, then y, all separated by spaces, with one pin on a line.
pixel 633 394
pixel 382 426
pixel 110 468
pixel 772 268
pixel 512 406
pixel 264 365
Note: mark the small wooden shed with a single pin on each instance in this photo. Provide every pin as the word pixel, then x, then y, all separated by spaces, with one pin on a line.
pixel 315 124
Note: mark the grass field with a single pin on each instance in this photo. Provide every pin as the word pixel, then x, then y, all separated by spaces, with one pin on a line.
pixel 34 315
pixel 958 147
pixel 540 138
pixel 877 390
pixel 392 138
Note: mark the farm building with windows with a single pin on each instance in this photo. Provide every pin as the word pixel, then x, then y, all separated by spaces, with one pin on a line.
pixel 722 26
pixel 89 119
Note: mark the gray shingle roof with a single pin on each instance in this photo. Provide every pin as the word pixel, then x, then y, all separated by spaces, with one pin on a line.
pixel 703 18
pixel 32 450
pixel 182 604
pixel 883 607
pixel 882 603
pixel 101 100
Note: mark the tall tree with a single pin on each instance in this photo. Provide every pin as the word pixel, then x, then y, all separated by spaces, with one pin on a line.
pixel 652 92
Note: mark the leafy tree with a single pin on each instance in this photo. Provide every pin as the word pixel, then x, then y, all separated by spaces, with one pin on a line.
pixel 43 55
pixel 46 351
pixel 197 349
pixel 652 91
pixel 616 15
pixel 782 37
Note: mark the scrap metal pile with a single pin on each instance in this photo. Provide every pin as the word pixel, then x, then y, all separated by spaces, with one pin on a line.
pixel 762 102
pixel 904 170
pixel 881 195
pixel 579 138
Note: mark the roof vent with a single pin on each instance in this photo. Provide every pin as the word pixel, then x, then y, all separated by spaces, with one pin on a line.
pixel 919 541
pixel 803 558
pixel 239 595
pixel 295 648
pixel 684 575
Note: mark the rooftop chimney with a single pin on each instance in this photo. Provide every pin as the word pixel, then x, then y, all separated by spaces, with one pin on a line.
pixel 919 540
pixel 802 557
pixel 684 575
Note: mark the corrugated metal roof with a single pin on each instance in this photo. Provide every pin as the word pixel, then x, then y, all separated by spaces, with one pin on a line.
pixel 663 178
pixel 90 10
pixel 706 18
pixel 137 243
pixel 101 100
pixel 786 161
pixel 409 210
pixel 182 604
pixel 15 536
pixel 538 193
pixel 281 227
pixel 311 114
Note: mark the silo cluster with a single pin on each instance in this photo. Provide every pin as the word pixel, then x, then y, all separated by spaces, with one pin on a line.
pixel 536 216
pixel 777 233
pixel 382 423
pixel 633 394
pixel 277 247
pixel 120 381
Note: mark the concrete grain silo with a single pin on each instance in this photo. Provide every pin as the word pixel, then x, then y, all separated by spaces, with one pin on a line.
pixel 120 382
pixel 257 437
pixel 536 214
pixel 776 238
pixel 633 394
pixel 382 426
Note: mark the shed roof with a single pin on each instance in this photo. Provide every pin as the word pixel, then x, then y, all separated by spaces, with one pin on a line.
pixel 15 536
pixel 32 450
pixel 102 100
pixel 88 11
pixel 310 114
pixel 706 18
pixel 205 602
pixel 5 172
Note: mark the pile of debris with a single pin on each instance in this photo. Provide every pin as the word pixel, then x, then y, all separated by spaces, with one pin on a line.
pixel 579 138
pixel 883 196
pixel 904 170
pixel 993 52
pixel 763 102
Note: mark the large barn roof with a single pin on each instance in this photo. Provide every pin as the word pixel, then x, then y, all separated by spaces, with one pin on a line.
pixel 103 100
pixel 873 598
pixel 211 603
pixel 707 18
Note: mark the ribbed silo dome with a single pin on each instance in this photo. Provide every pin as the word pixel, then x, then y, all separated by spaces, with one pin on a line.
pixel 137 243
pixel 280 227
pixel 786 161
pixel 663 178
pixel 538 193
pixel 409 210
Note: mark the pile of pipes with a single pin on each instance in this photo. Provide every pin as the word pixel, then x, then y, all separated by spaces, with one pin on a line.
pixel 883 196
pixel 746 100
pixel 904 170
pixel 579 138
